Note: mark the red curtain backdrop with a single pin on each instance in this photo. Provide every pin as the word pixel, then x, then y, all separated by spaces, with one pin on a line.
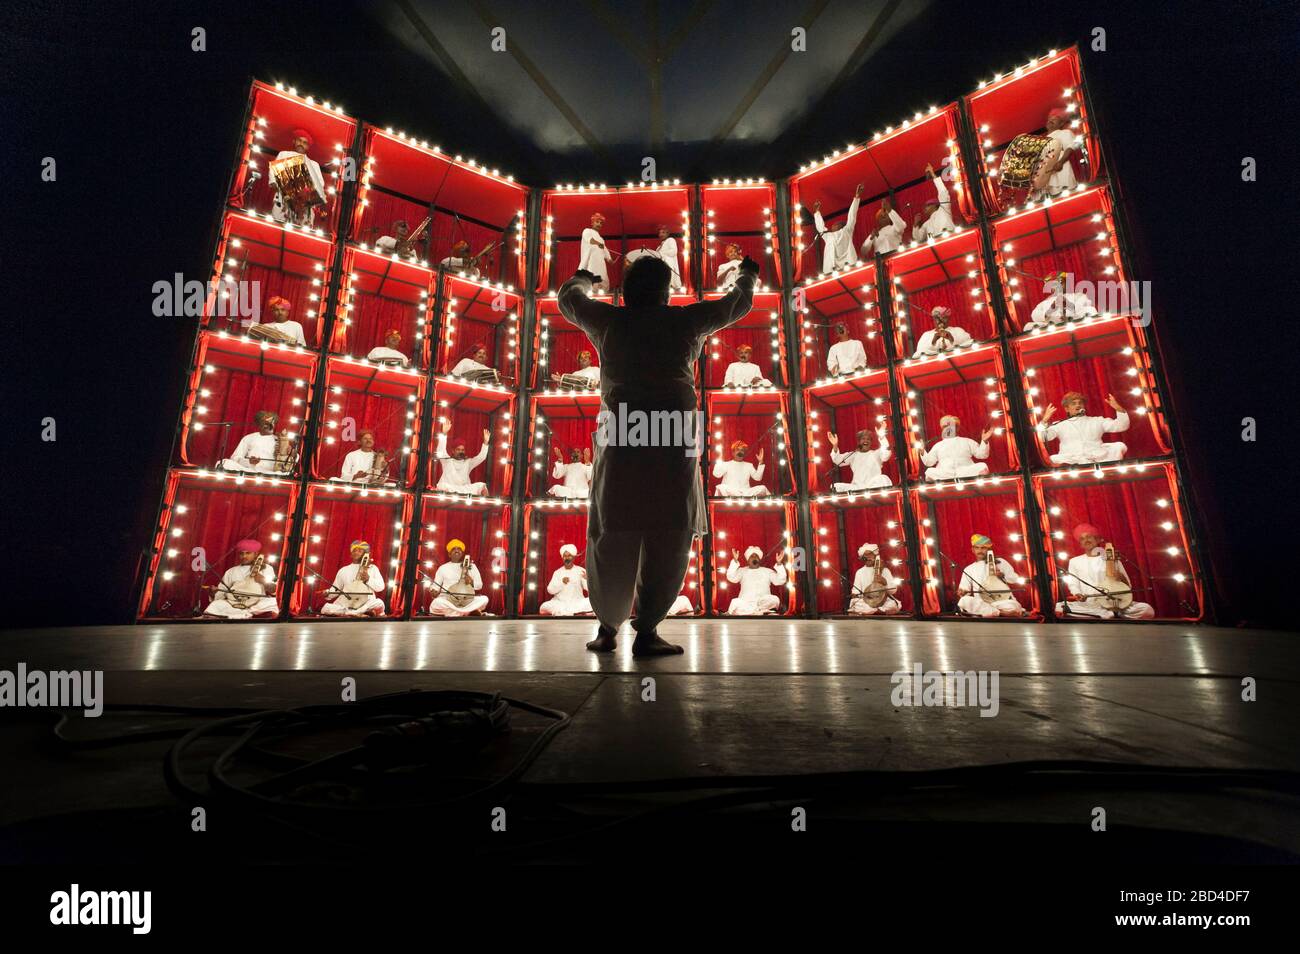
pixel 738 529
pixel 236 396
pixel 378 217
pixel 553 529
pixel 468 426
pixel 373 519
pixel 955 295
pixel 862 524
pixel 563 344
pixel 1129 517
pixel 567 252
pixel 971 403
pixel 446 230
pixel 753 429
pixel 215 520
pixel 477 528
pixel 385 415
pixel 372 318
pixel 1080 260
pixel 468 334
pixel 955 519
pixel 759 338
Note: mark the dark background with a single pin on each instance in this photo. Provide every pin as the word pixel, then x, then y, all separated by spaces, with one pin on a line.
pixel 144 132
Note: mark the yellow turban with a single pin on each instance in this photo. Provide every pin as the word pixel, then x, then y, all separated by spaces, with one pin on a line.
pixel 979 540
pixel 453 544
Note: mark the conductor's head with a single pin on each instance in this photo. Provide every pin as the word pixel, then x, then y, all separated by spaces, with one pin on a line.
pixel 646 282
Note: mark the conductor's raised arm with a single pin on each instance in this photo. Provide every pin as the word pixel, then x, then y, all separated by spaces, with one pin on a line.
pixel 710 316
pixel 578 307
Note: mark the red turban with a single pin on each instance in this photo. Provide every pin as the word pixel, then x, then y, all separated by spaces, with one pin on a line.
pixel 278 300
pixel 1083 530
pixel 301 133
pixel 735 444
pixel 248 546
pixel 392 331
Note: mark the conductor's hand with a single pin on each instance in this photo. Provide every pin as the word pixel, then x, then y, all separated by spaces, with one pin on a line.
pixel 589 276
pixel 747 264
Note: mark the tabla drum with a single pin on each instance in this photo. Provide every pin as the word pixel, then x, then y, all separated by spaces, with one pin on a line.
pixel 575 382
pixel 484 376
pixel 274 335
pixel 1027 164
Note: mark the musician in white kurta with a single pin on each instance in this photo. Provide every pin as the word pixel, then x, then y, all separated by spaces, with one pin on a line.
pixel 280 211
pixel 889 233
pixel 460 260
pixel 1058 128
pixel 737 473
pixel 937 217
pixel 1060 305
pixel 574 477
pixel 837 244
pixel 744 373
pixel 933 342
pixel 390 244
pixel 358 463
pixel 729 269
pixel 587 371
pixel 865 576
pixel 373 580
pixel 388 350
pixel 1083 578
pixel 956 458
pixel 223 602
pixel 280 309
pixel 971 599
pixel 448 575
pixel 474 362
pixel 593 256
pixel 667 253
pixel 862 461
pixel 568 588
pixel 256 452
pixel 756 581
pixel 456 467
pixel 846 355
pixel 681 606
pixel 1081 435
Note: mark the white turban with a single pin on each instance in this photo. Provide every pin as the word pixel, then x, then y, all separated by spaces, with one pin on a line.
pixel 754 550
pixel 568 548
pixel 862 550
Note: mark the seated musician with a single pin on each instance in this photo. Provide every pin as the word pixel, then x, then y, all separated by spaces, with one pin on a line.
pixel 738 472
pixel 237 598
pixel 1059 306
pixel 889 233
pixel 588 372
pixel 456 584
pixel 846 355
pixel 730 269
pixel 281 208
pixel 262 452
pixel 985 592
pixel 399 242
pixel 280 327
pixel 387 352
pixel 366 465
pixel 682 606
pixel 574 477
pixel 756 581
pixel 863 594
pixel 744 373
pixel 864 462
pixel 474 363
pixel 461 260
pixel 1081 435
pixel 1088 577
pixel 937 217
pixel 456 467
pixel 837 248
pixel 1058 128
pixel 956 458
pixel 568 588
pixel 942 337
pixel 356 594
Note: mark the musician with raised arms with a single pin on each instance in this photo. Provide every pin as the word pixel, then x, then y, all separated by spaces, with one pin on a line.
pixel 574 477
pixel 262 452
pixel 756 581
pixel 1081 435
pixel 388 352
pixel 743 372
pixel 1098 583
pixel 366 464
pixel 937 217
pixel 568 588
pixel 357 586
pixel 985 588
pixel 942 337
pixel 456 584
pixel 863 462
pixel 737 473
pixel 281 328
pixel 593 256
pixel 846 355
pixel 298 209
pixel 837 244
pixel 247 589
pixel 873 586
pixel 889 233
pixel 954 457
pixel 457 466
pixel 587 375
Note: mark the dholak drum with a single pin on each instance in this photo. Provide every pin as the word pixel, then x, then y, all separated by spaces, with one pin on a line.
pixel 484 376
pixel 575 382
pixel 636 253
pixel 1027 163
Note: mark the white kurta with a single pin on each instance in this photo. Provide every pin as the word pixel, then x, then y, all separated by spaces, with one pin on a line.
pixel 668 252
pixel 954 458
pixel 845 357
pixel 261 446
pixel 290 329
pixel 736 475
pixel 1064 178
pixel 280 209
pixel 940 219
pixel 1081 441
pixel 388 245
pixel 681 606
pixel 744 374
pixel 971 599
pixel 887 238
pixel 865 466
pixel 567 599
pixel 574 477
pixel 469 365
pixel 727 273
pixel 926 346
pixel 383 353
pixel 264 606
pixel 371 607
pixel 593 258
pixel 755 597
pixel 1055 309
pixel 838 250
pixel 861 580
pixel 590 373
pixel 460 265
pixel 356 463
pixel 444 577
pixel 455 473
pixel 1092 570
